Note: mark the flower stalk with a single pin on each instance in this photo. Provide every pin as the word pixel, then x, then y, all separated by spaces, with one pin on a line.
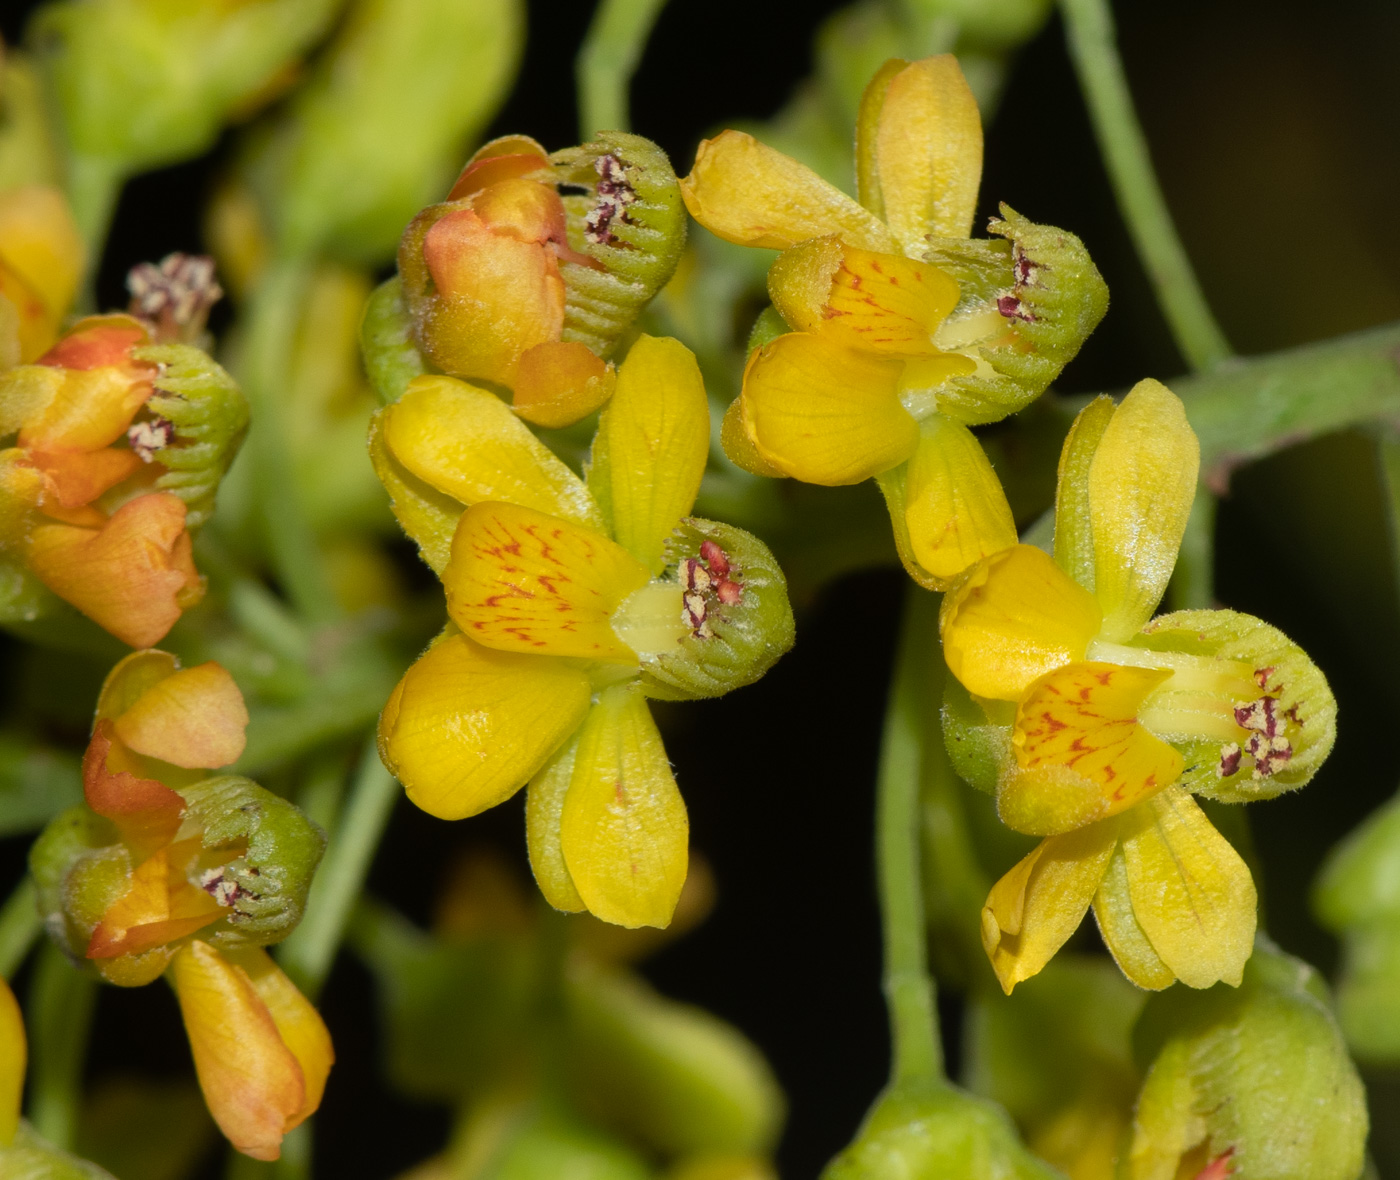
pixel 19 927
pixel 61 1001
pixel 610 55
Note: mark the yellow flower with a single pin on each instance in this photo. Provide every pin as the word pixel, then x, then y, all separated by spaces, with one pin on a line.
pixel 905 333
pixel 13 1056
pixel 1106 721
pixel 41 260
pixel 569 605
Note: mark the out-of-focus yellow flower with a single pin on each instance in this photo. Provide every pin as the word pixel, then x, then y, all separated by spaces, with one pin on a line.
pixel 904 332
pixel 260 1048
pixel 41 260
pixel 13 1055
pixel 570 604
pixel 1108 722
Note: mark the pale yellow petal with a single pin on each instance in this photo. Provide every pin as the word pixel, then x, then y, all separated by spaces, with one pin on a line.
pixel 954 504
pixel 1034 908
pixel 1130 947
pixel 1192 894
pixel 650 450
pixel 825 414
pixel 746 192
pixel 468 726
pixel 929 153
pixel 466 443
pixel 624 830
pixel 194 718
pixel 1016 617
pixel 521 581
pixel 1074 532
pixel 1141 485
pixel 872 102
pixel 544 808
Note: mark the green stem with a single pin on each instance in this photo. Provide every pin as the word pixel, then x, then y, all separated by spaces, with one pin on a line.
pixel 1193 581
pixel 61 1000
pixel 265 363
pixel 94 185
pixel 909 989
pixel 1093 46
pixel 607 61
pixel 19 926
pixel 1389 444
pixel 308 954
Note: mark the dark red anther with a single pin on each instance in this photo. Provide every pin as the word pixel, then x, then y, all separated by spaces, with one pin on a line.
pixel 1011 308
pixel 729 592
pixel 715 558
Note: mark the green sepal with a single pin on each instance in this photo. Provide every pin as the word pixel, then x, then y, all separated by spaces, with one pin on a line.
pixel 766 328
pixel 271 878
pixel 933 1129
pixel 210 416
pixel 79 868
pixel 1305 705
pixel 666 1075
pixel 738 642
pixel 1227 1068
pixel 31 1158
pixel 1043 296
pixel 978 745
pixel 391 357
pixel 638 246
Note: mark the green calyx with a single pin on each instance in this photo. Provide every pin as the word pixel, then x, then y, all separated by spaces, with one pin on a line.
pixel 631 221
pixel 1230 1068
pixel 390 355
pixel 209 417
pixel 1027 306
pixel 717 619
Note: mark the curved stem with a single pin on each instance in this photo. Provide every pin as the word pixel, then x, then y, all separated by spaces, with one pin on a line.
pixel 1093 46
pixel 607 61
pixel 19 926
pixel 308 954
pixel 61 1000
pixel 909 989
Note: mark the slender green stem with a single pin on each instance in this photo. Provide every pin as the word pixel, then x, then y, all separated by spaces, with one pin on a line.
pixel 61 1000
pixel 308 954
pixel 273 315
pixel 94 185
pixel 909 989
pixel 19 926
pixel 1389 443
pixel 1193 581
pixel 607 61
pixel 1093 46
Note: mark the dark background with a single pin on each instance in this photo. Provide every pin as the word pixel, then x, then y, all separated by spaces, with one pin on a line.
pixel 1274 128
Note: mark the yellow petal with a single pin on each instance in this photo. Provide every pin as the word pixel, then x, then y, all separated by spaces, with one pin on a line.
pixel 427 515
pixel 874 302
pixel 928 150
pixel 467 726
pixel 252 1082
pixel 650 449
pixel 734 437
pixel 1129 946
pixel 194 718
pixel 558 384
pixel 624 830
pixel 1141 485
pixel 521 581
pixel 1015 618
pixel 1081 750
pixel 1074 532
pixel 41 248
pixel 465 442
pixel 825 414
pixel 1192 895
pixel 954 505
pixel 746 192
pixel 544 807
pixel 13 1054
pixel 298 1024
pixel 1033 910
pixel 872 102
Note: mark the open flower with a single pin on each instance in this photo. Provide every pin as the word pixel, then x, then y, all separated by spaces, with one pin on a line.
pixel 905 332
pixel 41 260
pixel 507 281
pixel 169 866
pixel 1102 722
pixel 569 605
pixel 119 451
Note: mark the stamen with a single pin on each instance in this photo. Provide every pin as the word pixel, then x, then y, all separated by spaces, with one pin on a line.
pixel 174 298
pixel 614 196
pixel 704 580
pixel 146 438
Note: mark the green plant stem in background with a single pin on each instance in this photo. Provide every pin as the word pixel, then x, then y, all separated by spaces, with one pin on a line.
pixel 1193 581
pixel 61 1000
pixel 94 184
pixel 308 954
pixel 607 61
pixel 1389 443
pixel 273 315
pixel 1093 47
pixel 19 926
pixel 909 989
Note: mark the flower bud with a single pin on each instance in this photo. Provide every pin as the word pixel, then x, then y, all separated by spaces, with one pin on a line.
pixel 41 259
pixel 536 1140
pixel 1230 1067
pixel 934 1129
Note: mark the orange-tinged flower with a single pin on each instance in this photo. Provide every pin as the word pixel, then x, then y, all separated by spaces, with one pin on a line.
pixel 81 511
pixel 41 261
pixel 261 1050
pixel 1110 720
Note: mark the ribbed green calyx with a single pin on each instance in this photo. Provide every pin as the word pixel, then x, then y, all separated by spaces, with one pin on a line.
pixel 630 220
pixel 390 355
pixel 209 417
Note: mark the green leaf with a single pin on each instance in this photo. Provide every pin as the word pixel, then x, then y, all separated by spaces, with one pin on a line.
pixel 35 784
